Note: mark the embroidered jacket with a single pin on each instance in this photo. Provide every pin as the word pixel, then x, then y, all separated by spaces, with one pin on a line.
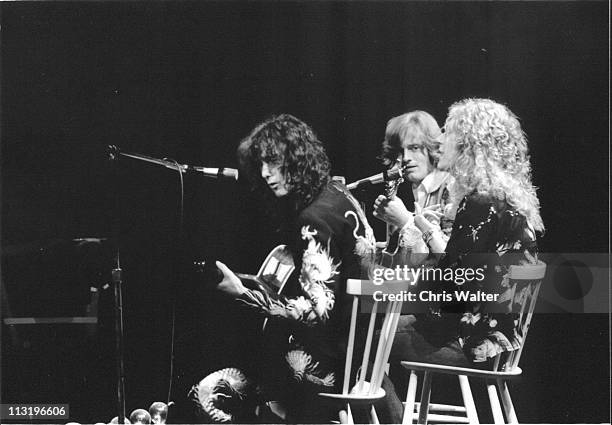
pixel 308 323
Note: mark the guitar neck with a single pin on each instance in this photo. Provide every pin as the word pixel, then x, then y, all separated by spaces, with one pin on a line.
pixel 390 192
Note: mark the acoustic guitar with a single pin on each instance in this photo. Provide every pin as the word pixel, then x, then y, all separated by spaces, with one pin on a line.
pixel 271 277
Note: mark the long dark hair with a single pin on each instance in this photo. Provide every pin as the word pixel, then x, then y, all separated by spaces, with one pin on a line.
pixel 291 143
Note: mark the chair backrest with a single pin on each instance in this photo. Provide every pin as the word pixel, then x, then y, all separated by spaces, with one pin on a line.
pixel 388 297
pixel 525 282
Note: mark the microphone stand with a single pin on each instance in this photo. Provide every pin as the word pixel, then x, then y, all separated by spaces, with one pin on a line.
pixel 117 279
pixel 114 153
pixel 184 168
pixel 168 164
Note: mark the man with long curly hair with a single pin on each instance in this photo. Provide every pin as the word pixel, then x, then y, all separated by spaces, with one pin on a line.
pixel 496 220
pixel 308 323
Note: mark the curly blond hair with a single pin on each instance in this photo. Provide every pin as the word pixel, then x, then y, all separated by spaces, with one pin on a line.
pixel 493 157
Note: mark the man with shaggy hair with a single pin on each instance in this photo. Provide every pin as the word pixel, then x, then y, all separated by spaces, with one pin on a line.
pixel 411 140
pixel 308 323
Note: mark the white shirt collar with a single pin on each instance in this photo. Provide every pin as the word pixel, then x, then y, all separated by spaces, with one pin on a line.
pixel 431 182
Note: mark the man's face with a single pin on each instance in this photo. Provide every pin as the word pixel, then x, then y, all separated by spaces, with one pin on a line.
pixel 413 155
pixel 275 179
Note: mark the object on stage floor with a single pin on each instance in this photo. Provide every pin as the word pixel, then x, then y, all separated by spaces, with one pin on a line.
pixel 140 416
pixel 158 412
pixel 226 395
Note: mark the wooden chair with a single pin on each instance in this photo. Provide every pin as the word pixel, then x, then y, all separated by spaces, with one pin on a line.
pixel 356 391
pixel 525 283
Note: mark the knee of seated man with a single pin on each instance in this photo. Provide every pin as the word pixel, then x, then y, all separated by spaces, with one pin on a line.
pixel 404 324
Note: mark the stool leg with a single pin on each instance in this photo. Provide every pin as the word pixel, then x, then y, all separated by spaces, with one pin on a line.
pixel 498 416
pixel 468 399
pixel 410 396
pixel 425 393
pixel 507 402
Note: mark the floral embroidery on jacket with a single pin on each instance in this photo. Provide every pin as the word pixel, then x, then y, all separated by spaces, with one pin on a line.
pixel 318 269
pixel 304 369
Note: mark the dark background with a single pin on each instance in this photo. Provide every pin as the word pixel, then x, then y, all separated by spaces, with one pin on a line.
pixel 189 80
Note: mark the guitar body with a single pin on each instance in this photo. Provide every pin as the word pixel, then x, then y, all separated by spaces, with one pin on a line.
pixel 390 254
pixel 271 277
pixel 273 273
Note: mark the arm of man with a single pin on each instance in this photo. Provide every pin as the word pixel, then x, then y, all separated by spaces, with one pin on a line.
pixel 391 211
pixel 319 279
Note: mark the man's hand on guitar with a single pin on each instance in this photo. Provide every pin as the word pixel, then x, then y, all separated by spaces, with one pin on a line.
pixel 391 211
pixel 231 284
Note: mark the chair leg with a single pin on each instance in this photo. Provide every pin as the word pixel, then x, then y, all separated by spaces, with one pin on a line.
pixel 498 416
pixel 507 402
pixel 343 416
pixel 468 399
pixel 410 397
pixel 425 393
pixel 373 416
pixel 349 415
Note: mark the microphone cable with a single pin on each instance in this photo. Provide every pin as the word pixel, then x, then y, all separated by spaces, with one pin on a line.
pixel 174 283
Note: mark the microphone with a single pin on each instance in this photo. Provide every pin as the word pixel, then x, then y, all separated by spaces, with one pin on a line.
pixel 215 173
pixel 391 174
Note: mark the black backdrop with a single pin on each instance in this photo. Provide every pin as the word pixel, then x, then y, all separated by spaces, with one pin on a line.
pixel 189 80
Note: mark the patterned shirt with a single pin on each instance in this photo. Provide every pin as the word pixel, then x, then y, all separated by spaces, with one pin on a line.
pixel 488 234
